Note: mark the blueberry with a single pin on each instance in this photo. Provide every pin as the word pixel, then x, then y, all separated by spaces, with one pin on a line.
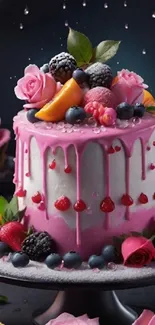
pixel 4 249
pixel 124 111
pixel 80 76
pixel 75 115
pixel 72 260
pixel 20 259
pixel 31 115
pixel 139 110
pixel 53 260
pixel 45 68
pixel 109 253
pixel 96 261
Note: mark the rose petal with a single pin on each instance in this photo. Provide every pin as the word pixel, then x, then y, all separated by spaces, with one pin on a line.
pixel 35 105
pixel 24 82
pixel 144 318
pixel 152 321
pixel 32 69
pixel 94 321
pixel 50 88
pixel 128 86
pixel 65 317
pixel 19 93
pixel 139 258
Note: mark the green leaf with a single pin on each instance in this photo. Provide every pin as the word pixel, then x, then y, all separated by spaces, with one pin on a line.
pixel 80 47
pixel 3 204
pixel 12 206
pixel 150 109
pixel 106 50
pixel 3 299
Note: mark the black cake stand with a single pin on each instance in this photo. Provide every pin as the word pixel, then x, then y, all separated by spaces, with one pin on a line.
pixel 82 291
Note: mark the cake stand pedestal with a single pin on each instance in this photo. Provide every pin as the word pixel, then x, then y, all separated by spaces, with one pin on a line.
pixel 94 303
pixel 81 291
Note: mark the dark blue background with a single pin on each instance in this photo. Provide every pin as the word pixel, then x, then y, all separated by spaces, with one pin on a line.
pixel 44 35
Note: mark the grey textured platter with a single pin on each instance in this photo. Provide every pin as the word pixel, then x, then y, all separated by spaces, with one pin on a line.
pixel 40 276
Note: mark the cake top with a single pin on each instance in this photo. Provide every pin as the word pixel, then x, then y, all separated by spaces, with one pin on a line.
pixel 76 90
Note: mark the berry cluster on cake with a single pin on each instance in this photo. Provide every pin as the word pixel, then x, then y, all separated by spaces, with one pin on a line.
pixel 84 166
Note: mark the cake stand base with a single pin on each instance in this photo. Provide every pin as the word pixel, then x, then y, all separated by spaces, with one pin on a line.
pixel 94 303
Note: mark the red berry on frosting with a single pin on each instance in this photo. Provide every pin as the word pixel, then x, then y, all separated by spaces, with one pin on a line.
pixel 148 148
pixel 109 117
pixel 62 204
pixel 107 205
pixel 153 196
pixel 143 199
pixel 41 206
pixel 52 165
pixel 80 206
pixel 68 169
pixel 20 193
pixel 111 150
pixel 127 200
pixel 117 148
pixel 152 166
pixel 36 198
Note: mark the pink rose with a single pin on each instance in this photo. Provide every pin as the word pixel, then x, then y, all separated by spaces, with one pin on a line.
pixel 137 251
pixel 146 318
pixel 128 87
pixel 68 319
pixel 36 87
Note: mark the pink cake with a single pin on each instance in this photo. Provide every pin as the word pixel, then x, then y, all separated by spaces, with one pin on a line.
pixel 84 182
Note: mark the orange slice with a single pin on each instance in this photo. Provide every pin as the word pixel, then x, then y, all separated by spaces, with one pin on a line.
pixel 148 98
pixel 70 95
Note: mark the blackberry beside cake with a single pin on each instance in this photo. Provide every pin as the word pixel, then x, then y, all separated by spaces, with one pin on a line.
pixel 85 148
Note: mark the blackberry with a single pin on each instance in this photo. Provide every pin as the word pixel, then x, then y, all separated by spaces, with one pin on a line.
pixel 100 75
pixel 38 246
pixel 62 66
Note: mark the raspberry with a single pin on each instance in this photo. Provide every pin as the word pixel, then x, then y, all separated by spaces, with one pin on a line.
pixel 36 198
pixel 101 95
pixel 94 108
pixel 62 204
pixel 108 118
pixel 80 206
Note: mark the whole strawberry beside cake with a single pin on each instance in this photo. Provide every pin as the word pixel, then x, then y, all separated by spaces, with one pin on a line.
pixel 85 148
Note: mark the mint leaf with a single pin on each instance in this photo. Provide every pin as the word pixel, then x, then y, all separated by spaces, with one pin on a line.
pixel 150 109
pixel 3 204
pixel 80 47
pixel 12 206
pixel 3 299
pixel 105 51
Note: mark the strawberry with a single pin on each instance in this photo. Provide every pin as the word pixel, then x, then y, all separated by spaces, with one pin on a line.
pixel 13 234
pixel 36 198
pixel 80 206
pixel 62 204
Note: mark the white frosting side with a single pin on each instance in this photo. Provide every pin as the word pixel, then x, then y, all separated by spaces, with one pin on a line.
pixel 92 181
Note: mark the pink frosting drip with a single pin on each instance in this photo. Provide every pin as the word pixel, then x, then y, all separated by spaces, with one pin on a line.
pixel 53 138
